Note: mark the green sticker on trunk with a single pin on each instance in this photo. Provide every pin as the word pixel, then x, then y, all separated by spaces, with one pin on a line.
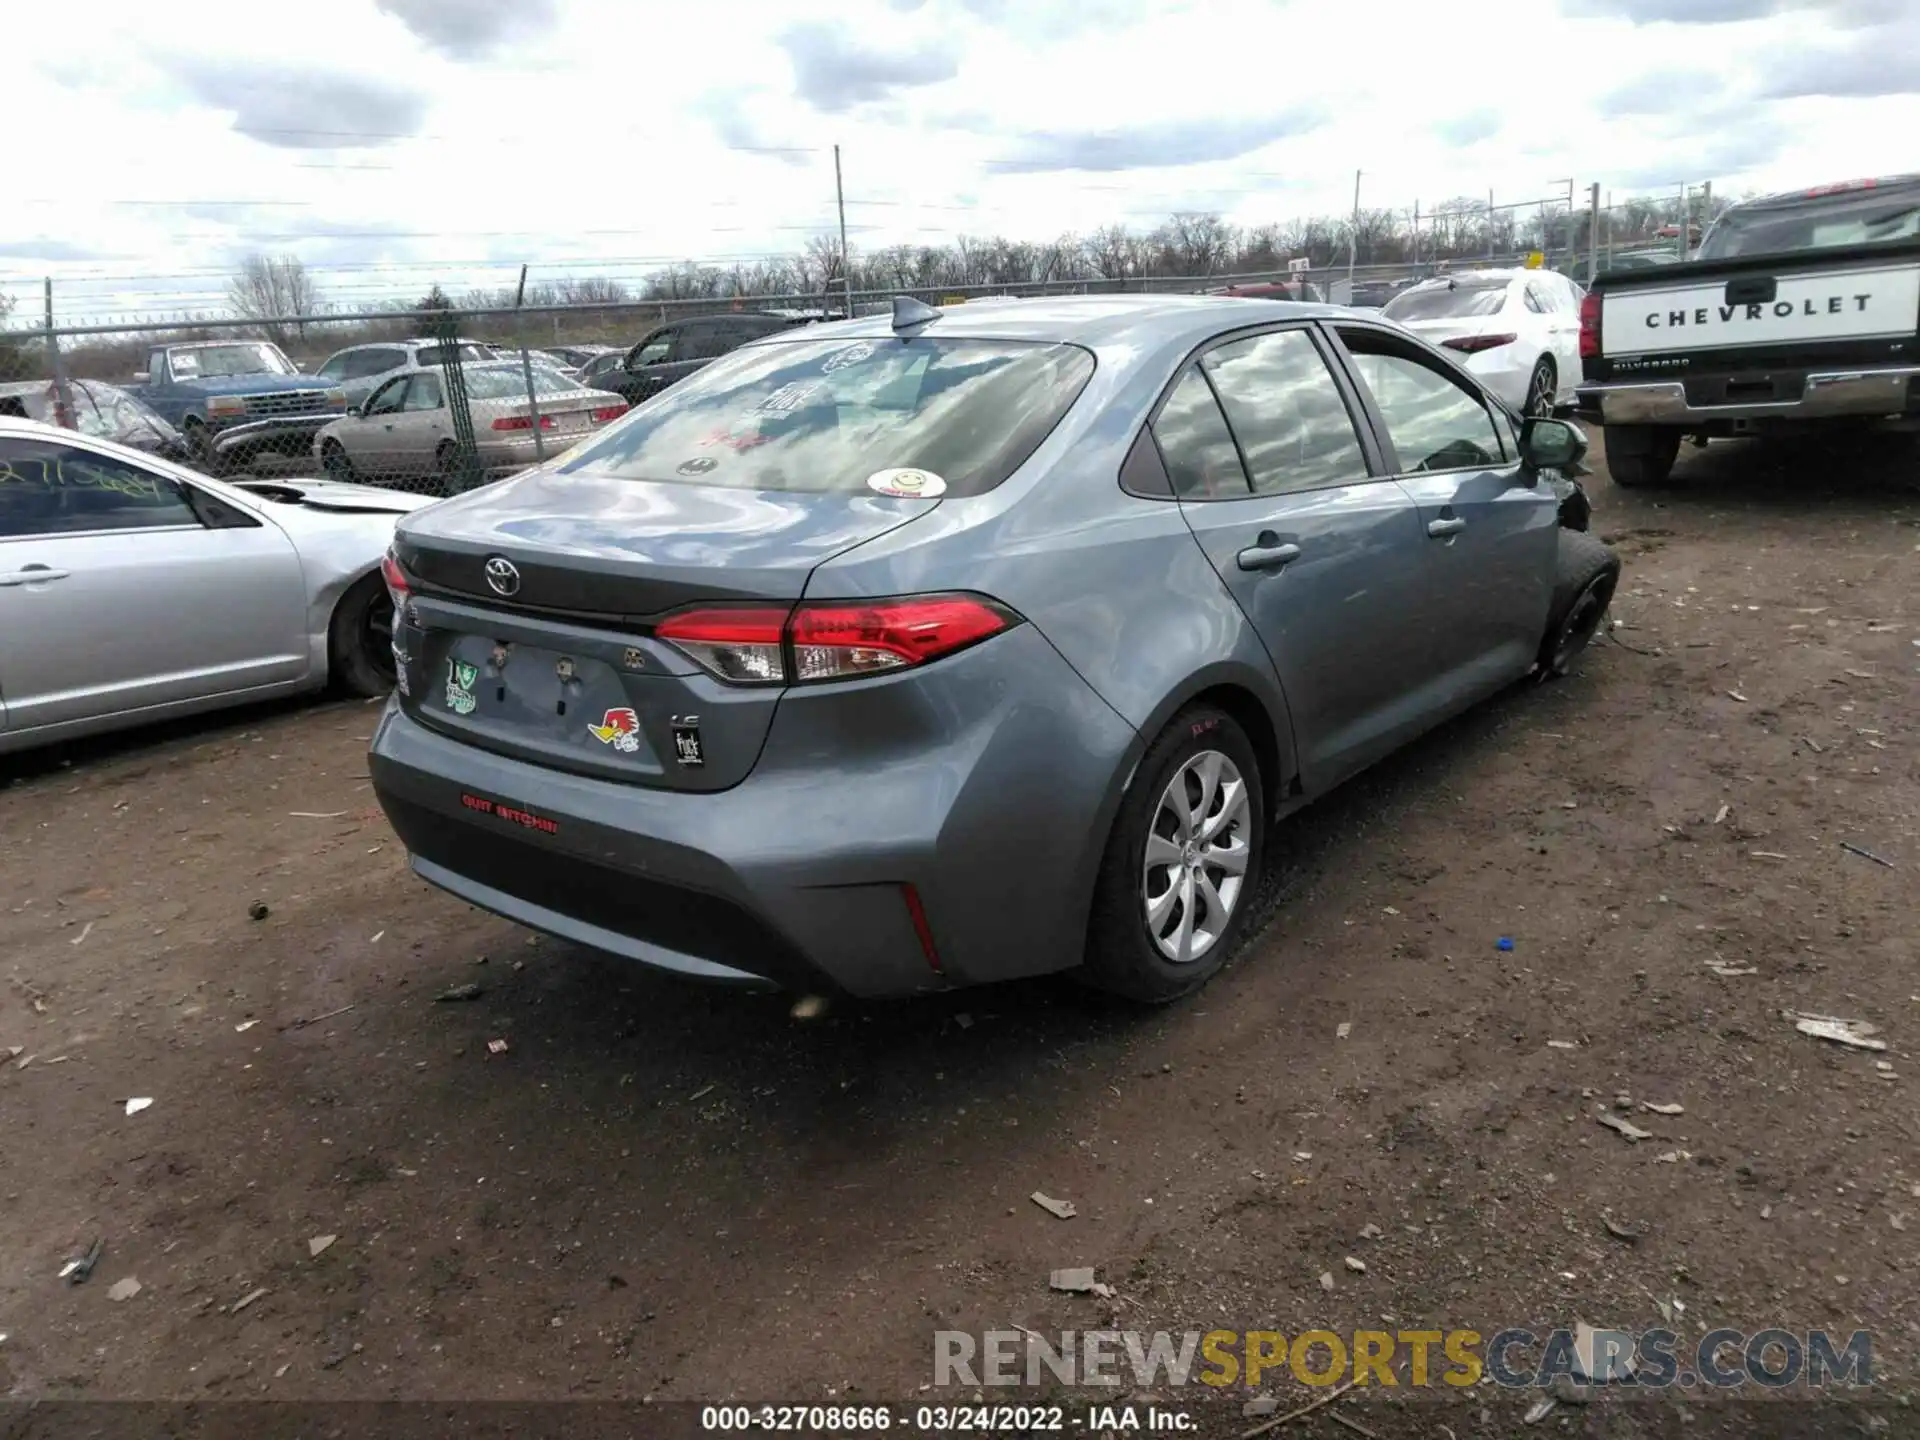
pixel 460 678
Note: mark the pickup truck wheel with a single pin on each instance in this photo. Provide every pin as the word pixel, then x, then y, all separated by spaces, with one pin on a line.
pixel 1541 387
pixel 1584 579
pixel 360 639
pixel 1640 454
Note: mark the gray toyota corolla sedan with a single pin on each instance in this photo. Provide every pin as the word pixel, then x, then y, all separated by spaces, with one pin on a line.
pixel 945 647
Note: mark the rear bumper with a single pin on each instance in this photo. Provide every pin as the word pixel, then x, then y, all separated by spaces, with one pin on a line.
pixel 1865 393
pixel 986 783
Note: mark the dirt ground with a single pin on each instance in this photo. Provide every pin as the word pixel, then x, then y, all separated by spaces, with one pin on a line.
pixel 667 1191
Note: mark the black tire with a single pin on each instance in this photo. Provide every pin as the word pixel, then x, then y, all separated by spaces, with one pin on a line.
pixel 360 639
pixel 1122 954
pixel 1640 454
pixel 1540 388
pixel 335 461
pixel 1584 581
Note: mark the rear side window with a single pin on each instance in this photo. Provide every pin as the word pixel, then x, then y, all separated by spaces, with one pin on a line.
pixel 825 416
pixel 1286 412
pixel 1201 457
pixel 373 362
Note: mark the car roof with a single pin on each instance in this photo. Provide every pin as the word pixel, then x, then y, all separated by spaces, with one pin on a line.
pixel 1090 320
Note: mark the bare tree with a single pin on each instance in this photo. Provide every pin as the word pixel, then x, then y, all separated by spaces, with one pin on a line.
pixel 269 286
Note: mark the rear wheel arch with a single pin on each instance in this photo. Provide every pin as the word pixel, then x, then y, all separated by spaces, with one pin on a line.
pixel 1265 721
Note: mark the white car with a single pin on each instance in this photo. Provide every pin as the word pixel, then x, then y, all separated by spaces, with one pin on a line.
pixel 133 589
pixel 1517 331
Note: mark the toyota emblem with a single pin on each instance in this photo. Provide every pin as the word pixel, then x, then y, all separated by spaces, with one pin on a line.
pixel 503 576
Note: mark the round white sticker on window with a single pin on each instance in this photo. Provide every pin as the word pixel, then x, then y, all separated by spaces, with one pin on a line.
pixel 907 484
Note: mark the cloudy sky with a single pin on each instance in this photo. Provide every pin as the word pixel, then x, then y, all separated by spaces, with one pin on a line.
pixel 388 142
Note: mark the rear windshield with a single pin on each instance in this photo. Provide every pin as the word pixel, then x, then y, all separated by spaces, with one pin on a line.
pixel 1456 300
pixel 825 415
pixel 509 382
pixel 1821 223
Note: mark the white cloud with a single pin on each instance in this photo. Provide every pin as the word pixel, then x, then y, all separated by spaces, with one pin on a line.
pixel 389 143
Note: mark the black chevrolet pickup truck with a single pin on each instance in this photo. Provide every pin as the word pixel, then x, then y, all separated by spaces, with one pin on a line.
pixel 1799 311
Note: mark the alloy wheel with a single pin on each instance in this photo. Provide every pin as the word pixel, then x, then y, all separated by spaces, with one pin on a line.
pixel 1196 857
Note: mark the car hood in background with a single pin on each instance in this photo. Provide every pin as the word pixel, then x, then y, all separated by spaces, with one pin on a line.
pixel 334 495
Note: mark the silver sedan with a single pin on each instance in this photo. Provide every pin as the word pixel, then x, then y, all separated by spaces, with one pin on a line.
pixel 134 590
pixel 406 428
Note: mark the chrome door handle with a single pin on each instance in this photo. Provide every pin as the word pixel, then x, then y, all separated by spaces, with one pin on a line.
pixel 1439 528
pixel 1267 557
pixel 33 575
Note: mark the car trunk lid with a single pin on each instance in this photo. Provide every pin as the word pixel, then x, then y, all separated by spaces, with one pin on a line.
pixel 535 602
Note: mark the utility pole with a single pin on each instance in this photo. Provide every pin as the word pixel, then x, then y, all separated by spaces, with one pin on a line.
pixel 1489 224
pixel 846 263
pixel 1686 205
pixel 1706 208
pixel 1353 236
pixel 1593 231
pixel 1416 236
pixel 1609 229
pixel 1573 244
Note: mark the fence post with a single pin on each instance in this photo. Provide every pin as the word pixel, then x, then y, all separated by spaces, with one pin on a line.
pixel 466 474
pixel 1593 231
pixel 63 412
pixel 526 371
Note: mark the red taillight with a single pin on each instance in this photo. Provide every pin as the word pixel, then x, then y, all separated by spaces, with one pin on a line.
pixel 1589 326
pixel 1474 344
pixel 744 645
pixel 833 642
pixel 396 578
pixel 521 422
pixel 610 412
pixel 748 645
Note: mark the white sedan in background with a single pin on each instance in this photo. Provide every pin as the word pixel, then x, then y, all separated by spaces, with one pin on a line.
pixel 135 590
pixel 1517 331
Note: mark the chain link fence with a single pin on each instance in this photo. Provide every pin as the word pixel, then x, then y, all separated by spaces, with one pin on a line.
pixel 438 401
